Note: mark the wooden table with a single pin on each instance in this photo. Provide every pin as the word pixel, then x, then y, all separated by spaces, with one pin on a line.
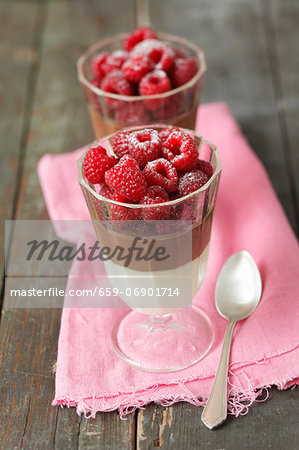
pixel 253 65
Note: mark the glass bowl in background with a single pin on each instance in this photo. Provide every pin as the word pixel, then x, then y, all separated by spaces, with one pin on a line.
pixel 111 112
pixel 160 334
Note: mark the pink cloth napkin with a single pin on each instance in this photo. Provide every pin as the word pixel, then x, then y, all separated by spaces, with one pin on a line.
pixel 265 347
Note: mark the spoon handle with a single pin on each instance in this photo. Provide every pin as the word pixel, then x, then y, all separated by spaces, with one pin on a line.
pixel 215 411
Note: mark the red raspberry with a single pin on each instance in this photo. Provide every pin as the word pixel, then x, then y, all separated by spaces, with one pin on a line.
pixel 131 113
pixel 158 52
pixel 205 167
pixel 145 145
pixel 180 149
pixel 95 163
pixel 114 61
pixel 155 195
pixel 138 35
pixel 115 83
pixel 135 68
pixel 126 178
pixel 178 52
pixel 191 181
pixel 164 134
pixel 118 212
pixel 97 65
pixel 154 83
pixel 105 190
pixel 182 71
pixel 162 173
pixel 120 143
pixel 95 97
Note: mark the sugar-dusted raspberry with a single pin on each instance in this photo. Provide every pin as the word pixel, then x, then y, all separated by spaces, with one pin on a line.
pixel 131 113
pixel 119 212
pixel 126 178
pixel 205 167
pixel 160 54
pixel 155 195
pixel 154 83
pixel 164 134
pixel 180 149
pixel 191 181
pixel 105 190
pixel 161 172
pixel 144 145
pixel 136 68
pixel 178 52
pixel 120 143
pixel 182 71
pixel 138 35
pixel 95 163
pixel 115 83
pixel 115 61
pixel 97 65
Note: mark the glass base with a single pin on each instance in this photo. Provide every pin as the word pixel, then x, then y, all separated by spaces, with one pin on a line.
pixel 163 343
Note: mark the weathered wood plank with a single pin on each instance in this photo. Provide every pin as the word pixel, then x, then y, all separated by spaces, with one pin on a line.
pixel 270 425
pixel 28 338
pixel 107 431
pixel 281 23
pixel 18 62
pixel 239 73
pixel 232 36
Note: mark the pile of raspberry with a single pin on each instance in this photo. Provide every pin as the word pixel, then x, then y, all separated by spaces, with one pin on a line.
pixel 145 66
pixel 148 168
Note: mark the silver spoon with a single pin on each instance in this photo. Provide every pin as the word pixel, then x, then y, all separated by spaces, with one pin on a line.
pixel 238 292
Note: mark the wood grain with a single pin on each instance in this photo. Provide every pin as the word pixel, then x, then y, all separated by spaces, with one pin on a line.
pixel 57 121
pixel 250 46
pixel 18 63
pixel 269 425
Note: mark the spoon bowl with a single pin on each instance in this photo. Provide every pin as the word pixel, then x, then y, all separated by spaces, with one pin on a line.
pixel 239 287
pixel 238 292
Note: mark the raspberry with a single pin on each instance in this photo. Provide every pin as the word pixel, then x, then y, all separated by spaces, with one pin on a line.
pixel 155 195
pixel 135 68
pixel 178 52
pixel 126 178
pixel 162 173
pixel 118 212
pixel 105 190
pixel 205 167
pixel 191 181
pixel 131 113
pixel 95 163
pixel 145 145
pixel 120 143
pixel 97 65
pixel 180 149
pixel 158 52
pixel 138 35
pixel 183 70
pixel 115 83
pixel 154 83
pixel 114 61
pixel 166 132
pixel 94 97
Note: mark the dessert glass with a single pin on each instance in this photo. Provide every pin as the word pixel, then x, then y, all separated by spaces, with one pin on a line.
pixel 160 334
pixel 111 112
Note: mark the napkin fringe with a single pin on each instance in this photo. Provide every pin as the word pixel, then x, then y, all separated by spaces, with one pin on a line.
pixel 238 402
